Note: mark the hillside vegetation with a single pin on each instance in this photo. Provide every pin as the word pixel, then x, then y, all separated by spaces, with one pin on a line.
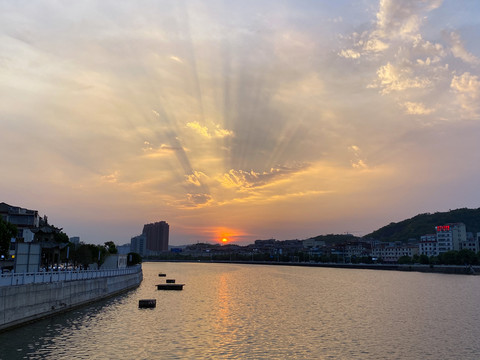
pixel 331 239
pixel 423 224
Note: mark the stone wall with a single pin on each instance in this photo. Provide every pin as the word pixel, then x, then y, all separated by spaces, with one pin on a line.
pixel 24 303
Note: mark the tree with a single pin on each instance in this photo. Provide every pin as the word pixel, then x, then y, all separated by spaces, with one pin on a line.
pixel 466 256
pixel 404 260
pixel 133 259
pixel 111 248
pixel 83 255
pixel 87 254
pixel 424 259
pixel 448 258
pixel 61 237
pixel 7 232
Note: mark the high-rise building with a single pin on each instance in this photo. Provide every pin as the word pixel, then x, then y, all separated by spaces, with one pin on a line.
pixel 75 240
pixel 156 235
pixel 138 245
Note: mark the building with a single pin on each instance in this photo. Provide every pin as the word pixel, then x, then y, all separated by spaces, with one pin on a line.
pixel 75 240
pixel 428 245
pixel 138 244
pixel 357 249
pixel 23 219
pixel 124 249
pixel 313 243
pixel 115 261
pixel 471 243
pixel 156 235
pixel 450 237
pixel 391 252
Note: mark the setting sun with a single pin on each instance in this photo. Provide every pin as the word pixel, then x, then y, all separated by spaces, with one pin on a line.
pixel 225 235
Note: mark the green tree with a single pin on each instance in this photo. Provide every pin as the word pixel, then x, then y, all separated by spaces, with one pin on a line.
pixel 61 237
pixel 7 232
pixel 83 255
pixel 424 259
pixel 133 259
pixel 448 258
pixel 111 248
pixel 467 257
pixel 404 260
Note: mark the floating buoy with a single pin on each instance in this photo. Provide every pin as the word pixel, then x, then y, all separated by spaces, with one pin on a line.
pixel 170 286
pixel 147 303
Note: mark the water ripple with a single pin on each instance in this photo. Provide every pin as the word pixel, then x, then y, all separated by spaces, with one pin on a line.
pixel 229 311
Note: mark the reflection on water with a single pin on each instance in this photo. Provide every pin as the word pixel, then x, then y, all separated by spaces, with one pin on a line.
pixel 231 311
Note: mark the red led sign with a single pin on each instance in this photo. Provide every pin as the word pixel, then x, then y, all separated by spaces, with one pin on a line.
pixel 443 228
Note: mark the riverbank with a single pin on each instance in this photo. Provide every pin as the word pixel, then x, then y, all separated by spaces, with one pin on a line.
pixel 440 269
pixel 20 304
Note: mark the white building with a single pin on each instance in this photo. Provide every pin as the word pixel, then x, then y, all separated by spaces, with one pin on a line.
pixel 450 237
pixel 428 245
pixel 392 252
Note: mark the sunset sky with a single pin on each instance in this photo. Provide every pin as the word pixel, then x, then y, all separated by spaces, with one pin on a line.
pixel 241 120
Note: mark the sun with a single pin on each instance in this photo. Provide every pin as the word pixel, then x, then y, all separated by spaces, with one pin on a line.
pixel 224 240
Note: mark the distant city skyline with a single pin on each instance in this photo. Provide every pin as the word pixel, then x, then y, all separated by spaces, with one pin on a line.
pixel 238 121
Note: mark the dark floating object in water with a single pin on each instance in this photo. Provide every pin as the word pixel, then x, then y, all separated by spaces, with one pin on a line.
pixel 147 303
pixel 170 286
pixel 170 281
pixel 162 274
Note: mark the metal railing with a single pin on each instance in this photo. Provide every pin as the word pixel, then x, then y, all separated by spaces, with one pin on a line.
pixel 56 276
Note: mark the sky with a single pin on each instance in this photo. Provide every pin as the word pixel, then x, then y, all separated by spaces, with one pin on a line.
pixel 241 120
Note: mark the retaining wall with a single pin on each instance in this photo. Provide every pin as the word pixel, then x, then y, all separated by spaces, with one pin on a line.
pixel 25 303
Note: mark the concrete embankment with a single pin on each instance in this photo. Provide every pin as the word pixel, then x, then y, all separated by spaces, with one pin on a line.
pixel 439 269
pixel 21 304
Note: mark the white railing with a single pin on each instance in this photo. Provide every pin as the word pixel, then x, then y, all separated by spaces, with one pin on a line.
pixel 56 276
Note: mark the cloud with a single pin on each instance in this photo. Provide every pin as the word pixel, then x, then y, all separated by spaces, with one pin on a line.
pixel 197 178
pixel 459 51
pixel 416 108
pixel 111 178
pixel 161 151
pixel 402 18
pixel 251 179
pixel 404 60
pixel 198 199
pixel 397 23
pixel 357 162
pixel 215 132
pixel 349 54
pixel 395 78
pixel 375 44
pixel 202 130
pixel 467 88
pixel 177 59
pixel 236 90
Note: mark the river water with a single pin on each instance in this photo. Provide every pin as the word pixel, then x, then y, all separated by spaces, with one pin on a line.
pixel 236 311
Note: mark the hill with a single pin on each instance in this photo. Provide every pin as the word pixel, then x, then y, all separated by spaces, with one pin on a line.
pixel 423 224
pixel 331 239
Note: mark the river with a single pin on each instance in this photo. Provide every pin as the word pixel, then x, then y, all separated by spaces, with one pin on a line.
pixel 240 311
